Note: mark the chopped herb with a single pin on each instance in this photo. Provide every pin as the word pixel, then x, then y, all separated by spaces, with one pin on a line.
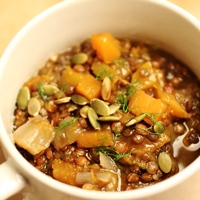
pixel 63 89
pixel 103 140
pixel 123 98
pixel 41 92
pixel 120 62
pixel 102 73
pixel 131 89
pixel 158 126
pixel 123 101
pixel 110 151
pixel 68 123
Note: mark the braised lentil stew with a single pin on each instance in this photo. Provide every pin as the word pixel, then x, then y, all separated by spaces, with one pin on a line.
pixel 103 115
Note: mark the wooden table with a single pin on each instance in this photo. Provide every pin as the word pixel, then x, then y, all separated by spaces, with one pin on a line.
pixel 14 14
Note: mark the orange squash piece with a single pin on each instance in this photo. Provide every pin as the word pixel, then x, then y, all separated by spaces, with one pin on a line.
pixel 107 47
pixel 37 79
pixel 71 77
pixel 143 103
pixel 175 108
pixel 94 138
pixel 89 87
pixel 65 172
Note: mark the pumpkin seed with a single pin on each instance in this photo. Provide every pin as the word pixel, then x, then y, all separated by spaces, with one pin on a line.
pixel 62 100
pixel 159 127
pixel 136 119
pixel 100 107
pixel 84 111
pixel 72 107
pixel 79 99
pixel 108 118
pixel 92 116
pixel 79 58
pixel 114 108
pixel 23 97
pixel 50 89
pixel 106 88
pixel 164 162
pixel 34 106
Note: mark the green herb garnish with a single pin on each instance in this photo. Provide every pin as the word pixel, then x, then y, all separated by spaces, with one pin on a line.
pixel 103 73
pixel 41 92
pixel 158 126
pixel 123 99
pixel 68 123
pixel 110 151
pixel 63 89
pixel 130 90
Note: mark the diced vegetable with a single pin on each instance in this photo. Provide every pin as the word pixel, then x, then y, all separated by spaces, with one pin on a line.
pixel 37 79
pixel 71 77
pixel 68 133
pixel 107 47
pixel 149 146
pixel 175 108
pixel 105 179
pixel 141 102
pixel 34 136
pixel 65 172
pixel 93 138
pixel 89 87
pixel 107 162
pixel 145 75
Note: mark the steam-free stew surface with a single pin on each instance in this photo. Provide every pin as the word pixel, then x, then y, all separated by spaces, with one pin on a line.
pixel 103 115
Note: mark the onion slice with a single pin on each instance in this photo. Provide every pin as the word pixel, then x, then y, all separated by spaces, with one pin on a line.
pixel 35 135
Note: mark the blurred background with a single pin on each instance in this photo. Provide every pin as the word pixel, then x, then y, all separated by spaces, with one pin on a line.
pixel 14 14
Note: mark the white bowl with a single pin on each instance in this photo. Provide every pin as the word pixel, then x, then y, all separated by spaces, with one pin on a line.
pixel 70 22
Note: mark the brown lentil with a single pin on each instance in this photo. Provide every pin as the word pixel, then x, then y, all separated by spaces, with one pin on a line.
pixel 137 138
pixel 141 129
pixel 179 129
pixel 146 177
pixel 132 178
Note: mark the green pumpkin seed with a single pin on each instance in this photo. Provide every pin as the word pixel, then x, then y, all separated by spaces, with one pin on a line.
pixel 114 108
pixel 50 89
pixel 108 118
pixel 79 99
pixel 159 127
pixel 100 107
pixel 79 58
pixel 23 97
pixel 62 100
pixel 92 116
pixel 136 119
pixel 72 107
pixel 164 162
pixel 106 88
pixel 34 107
pixel 84 111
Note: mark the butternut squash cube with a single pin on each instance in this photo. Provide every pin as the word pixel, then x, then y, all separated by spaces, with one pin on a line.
pixel 89 87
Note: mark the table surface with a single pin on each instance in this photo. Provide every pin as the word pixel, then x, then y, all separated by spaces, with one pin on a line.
pixel 15 14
